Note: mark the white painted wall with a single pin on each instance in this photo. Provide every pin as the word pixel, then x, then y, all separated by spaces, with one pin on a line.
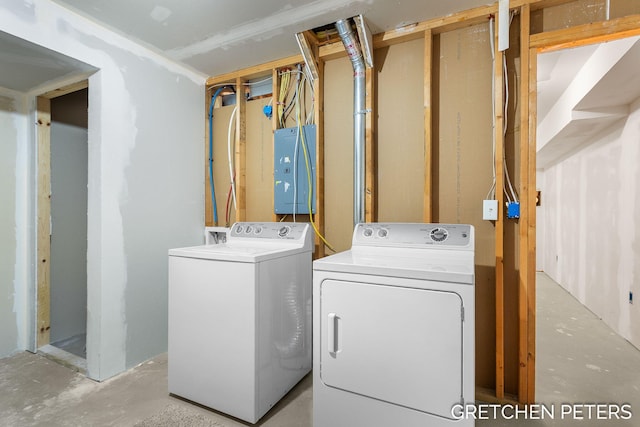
pixel 12 126
pixel 591 223
pixel 145 188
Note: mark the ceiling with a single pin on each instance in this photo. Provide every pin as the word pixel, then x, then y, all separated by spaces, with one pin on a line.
pixel 25 66
pixel 219 36
pixel 581 93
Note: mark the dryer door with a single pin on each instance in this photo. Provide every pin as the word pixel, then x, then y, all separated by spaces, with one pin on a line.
pixel 395 344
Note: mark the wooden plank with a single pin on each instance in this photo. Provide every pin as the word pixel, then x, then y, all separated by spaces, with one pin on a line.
pixel 428 131
pixel 275 84
pixel 255 71
pixel 581 35
pixel 318 93
pixel 531 247
pixel 44 220
pixel 66 89
pixel 370 207
pixel 241 152
pixel 309 46
pixel 208 204
pixel 499 223
pixel 523 223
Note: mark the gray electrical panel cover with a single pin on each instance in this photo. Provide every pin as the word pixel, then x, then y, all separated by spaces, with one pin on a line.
pixel 290 170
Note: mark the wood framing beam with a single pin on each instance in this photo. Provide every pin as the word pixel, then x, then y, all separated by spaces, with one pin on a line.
pixel 427 210
pixel 318 94
pixel 255 71
pixel 208 203
pixel 499 223
pixel 43 250
pixel 241 151
pixel 370 202
pixel 531 242
pixel 595 32
pixel 66 89
pixel 523 223
pixel 275 85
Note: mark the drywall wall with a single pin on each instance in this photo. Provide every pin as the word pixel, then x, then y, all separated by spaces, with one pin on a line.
pixel 68 274
pixel 12 125
pixel 591 214
pixel 145 186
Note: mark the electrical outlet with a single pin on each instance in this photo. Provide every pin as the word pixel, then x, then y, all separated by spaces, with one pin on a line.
pixel 490 210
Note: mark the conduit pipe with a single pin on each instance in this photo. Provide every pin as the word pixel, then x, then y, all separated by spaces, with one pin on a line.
pixel 352 48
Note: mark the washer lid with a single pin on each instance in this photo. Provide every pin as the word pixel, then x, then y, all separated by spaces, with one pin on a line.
pixel 238 252
pixel 442 266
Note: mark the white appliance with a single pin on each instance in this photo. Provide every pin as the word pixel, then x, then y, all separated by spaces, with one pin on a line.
pixel 240 318
pixel 393 329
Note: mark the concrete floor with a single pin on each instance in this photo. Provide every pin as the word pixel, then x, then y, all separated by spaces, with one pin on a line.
pixel 579 360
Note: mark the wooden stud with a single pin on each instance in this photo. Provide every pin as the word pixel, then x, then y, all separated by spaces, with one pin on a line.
pixel 428 131
pixel 318 94
pixel 531 246
pixel 370 202
pixel 241 151
pixel 275 85
pixel 208 203
pixel 596 32
pixel 523 223
pixel 499 223
pixel 44 220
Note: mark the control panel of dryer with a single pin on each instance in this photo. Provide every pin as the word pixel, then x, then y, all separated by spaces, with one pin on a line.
pixel 453 236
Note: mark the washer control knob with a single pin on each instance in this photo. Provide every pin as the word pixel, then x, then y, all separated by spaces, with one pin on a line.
pixel 283 231
pixel 368 232
pixel 258 230
pixel 249 229
pixel 383 233
pixel 239 229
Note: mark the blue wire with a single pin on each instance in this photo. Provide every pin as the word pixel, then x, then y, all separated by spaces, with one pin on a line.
pixel 213 191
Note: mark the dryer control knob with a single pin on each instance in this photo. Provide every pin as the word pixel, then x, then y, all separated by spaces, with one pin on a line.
pixel 382 233
pixel 368 232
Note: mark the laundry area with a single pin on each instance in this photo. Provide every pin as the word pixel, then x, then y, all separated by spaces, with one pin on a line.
pixel 344 213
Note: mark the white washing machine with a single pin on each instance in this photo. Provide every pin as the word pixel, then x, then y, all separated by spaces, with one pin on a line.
pixel 240 318
pixel 393 332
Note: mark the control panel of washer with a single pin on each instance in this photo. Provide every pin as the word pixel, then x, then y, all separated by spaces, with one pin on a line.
pixel 413 234
pixel 269 230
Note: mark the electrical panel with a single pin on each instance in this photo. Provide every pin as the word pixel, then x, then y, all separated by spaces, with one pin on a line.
pixel 291 178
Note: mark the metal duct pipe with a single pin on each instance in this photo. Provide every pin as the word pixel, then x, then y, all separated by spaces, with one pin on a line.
pixel 352 47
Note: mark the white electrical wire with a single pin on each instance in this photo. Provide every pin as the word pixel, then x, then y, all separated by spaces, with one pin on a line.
pixel 491 195
pixel 233 185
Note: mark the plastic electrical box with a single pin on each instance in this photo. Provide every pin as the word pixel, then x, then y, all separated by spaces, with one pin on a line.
pixel 490 210
pixel 291 184
pixel 513 210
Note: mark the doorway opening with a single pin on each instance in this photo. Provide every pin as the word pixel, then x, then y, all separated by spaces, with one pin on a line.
pixel 62 225
pixel 588 115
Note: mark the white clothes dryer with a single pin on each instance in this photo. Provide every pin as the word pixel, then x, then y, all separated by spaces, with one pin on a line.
pixel 393 332
pixel 240 318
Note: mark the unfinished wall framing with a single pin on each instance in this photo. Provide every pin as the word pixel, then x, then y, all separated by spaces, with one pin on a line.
pixel 429 152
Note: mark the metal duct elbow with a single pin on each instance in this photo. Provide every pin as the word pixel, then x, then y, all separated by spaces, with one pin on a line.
pixel 352 47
